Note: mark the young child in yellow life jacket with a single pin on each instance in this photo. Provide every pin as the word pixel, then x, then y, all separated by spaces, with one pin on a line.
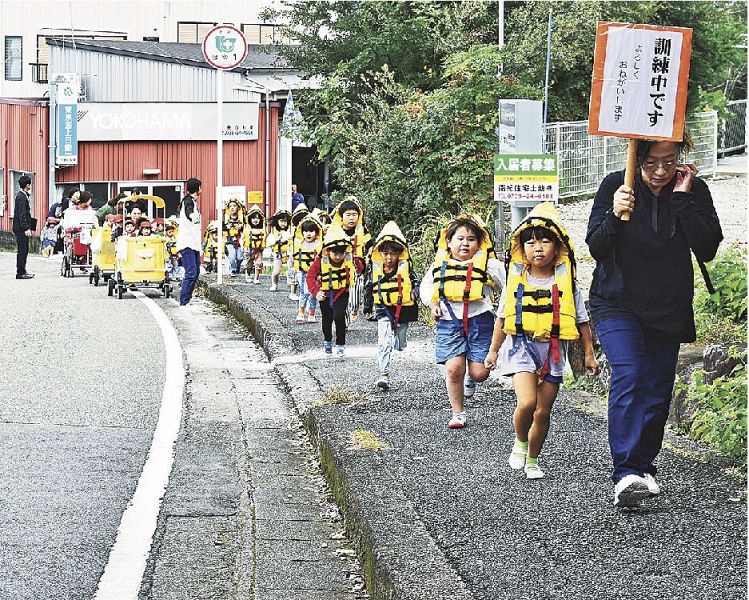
pixel 390 295
pixel 253 242
pixel 299 213
pixel 278 242
pixel 329 278
pixel 232 230
pixel 459 289
pixel 350 216
pixel 307 245
pixel 210 248
pixel 540 310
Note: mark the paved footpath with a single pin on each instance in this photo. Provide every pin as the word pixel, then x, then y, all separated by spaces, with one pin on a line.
pixel 436 513
pixel 247 513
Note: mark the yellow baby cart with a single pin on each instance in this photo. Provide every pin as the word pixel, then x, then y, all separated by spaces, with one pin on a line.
pixel 141 261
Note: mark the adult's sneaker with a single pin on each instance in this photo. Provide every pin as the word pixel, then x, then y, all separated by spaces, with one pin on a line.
pixel 630 491
pixel 383 382
pixel 653 488
pixel 340 351
pixel 469 387
pixel 328 347
pixel 458 421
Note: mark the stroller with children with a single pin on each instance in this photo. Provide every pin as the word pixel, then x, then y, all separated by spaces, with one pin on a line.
pixel 77 227
pixel 141 261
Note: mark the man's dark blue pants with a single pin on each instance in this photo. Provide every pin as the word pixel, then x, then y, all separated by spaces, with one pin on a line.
pixel 191 263
pixel 643 368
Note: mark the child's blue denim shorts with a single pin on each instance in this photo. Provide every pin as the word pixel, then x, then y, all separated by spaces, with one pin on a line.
pixel 451 340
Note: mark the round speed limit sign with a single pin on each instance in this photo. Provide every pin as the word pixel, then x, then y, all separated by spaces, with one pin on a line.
pixel 224 47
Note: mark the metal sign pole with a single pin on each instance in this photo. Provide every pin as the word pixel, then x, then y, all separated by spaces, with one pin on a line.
pixel 220 173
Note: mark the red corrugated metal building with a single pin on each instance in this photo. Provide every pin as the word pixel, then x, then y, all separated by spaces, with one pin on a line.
pixel 23 151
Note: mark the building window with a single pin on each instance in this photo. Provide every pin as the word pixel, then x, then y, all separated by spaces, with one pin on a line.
pixel 100 192
pixel 13 58
pixel 258 33
pixel 150 38
pixel 15 188
pixel 193 32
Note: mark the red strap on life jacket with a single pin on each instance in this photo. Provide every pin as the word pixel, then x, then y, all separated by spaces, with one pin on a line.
pixel 466 296
pixel 555 323
pixel 399 303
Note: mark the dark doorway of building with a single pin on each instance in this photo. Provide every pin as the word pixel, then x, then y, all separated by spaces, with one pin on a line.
pixel 308 174
pixel 171 193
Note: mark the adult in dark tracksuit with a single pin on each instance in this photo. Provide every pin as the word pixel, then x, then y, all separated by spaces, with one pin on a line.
pixel 641 299
pixel 22 226
pixel 189 239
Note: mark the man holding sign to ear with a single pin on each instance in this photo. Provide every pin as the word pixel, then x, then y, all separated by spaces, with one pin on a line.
pixel 644 224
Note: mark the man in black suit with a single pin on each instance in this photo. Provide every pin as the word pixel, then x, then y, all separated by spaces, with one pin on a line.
pixel 22 226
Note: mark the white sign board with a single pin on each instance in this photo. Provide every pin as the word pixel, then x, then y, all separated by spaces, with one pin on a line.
pixel 640 77
pixel 165 122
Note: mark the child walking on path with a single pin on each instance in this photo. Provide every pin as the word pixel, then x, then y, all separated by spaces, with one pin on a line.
pixel 459 289
pixel 540 310
pixel 390 293
pixel 292 275
pixel 253 241
pixel 278 242
pixel 307 245
pixel 329 278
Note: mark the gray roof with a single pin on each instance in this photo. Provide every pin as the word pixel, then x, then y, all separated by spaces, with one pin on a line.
pixel 259 57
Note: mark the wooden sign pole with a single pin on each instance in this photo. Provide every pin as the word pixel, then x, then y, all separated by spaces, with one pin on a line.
pixel 629 173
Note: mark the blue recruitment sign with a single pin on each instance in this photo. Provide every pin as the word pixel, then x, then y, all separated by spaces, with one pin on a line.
pixel 67 120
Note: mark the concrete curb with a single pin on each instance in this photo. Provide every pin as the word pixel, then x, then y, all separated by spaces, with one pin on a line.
pixel 368 513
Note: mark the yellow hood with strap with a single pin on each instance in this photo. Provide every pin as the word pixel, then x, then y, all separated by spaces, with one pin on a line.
pixel 393 289
pixel 303 259
pixel 299 213
pixel 332 277
pixel 450 276
pixel 542 313
pixel 255 210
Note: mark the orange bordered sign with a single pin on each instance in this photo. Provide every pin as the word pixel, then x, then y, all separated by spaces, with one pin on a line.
pixel 640 79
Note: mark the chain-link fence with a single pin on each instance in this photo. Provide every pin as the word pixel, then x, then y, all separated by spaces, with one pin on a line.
pixel 732 130
pixel 584 159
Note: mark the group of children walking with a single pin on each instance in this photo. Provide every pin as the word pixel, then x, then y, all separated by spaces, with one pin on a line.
pixel 539 311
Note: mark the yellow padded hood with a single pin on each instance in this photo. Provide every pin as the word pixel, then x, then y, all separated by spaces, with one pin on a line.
pixel 255 210
pixel 338 217
pixel 543 215
pixel 299 212
pixel 440 243
pixel 335 236
pixel 390 233
pixel 281 213
pixel 298 235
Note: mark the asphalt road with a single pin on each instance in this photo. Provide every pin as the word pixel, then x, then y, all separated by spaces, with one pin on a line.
pixel 80 389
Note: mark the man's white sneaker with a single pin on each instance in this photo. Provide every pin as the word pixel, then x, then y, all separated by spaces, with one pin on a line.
pixel 533 471
pixel 469 387
pixel 458 421
pixel 653 488
pixel 630 490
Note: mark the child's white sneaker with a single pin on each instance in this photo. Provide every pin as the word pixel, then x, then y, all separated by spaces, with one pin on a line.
pixel 533 471
pixel 299 318
pixel 256 280
pixel 273 288
pixel 458 421
pixel 517 457
pixel 247 278
pixel 293 296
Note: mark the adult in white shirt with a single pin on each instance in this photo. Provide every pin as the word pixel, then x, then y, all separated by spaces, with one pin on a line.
pixel 80 215
pixel 189 238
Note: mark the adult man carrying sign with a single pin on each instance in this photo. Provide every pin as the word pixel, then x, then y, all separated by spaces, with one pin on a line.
pixel 641 234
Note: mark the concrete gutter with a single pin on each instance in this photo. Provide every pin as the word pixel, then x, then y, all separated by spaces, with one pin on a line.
pixel 399 558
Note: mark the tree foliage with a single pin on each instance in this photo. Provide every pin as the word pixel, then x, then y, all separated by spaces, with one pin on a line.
pixel 407 107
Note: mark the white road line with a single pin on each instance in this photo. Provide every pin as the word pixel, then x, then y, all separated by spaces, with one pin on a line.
pixel 123 574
